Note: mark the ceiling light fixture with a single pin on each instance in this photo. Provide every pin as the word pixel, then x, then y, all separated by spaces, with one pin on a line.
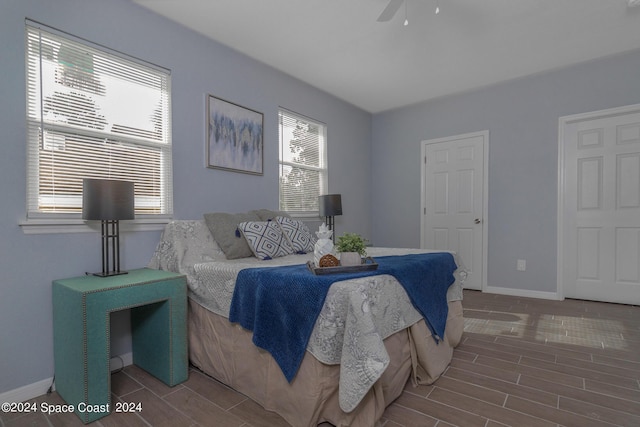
pixel 437 7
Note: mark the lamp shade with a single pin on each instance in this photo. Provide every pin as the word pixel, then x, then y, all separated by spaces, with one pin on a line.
pixel 106 199
pixel 330 205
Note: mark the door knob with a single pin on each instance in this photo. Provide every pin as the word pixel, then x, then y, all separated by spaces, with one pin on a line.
pixel 477 221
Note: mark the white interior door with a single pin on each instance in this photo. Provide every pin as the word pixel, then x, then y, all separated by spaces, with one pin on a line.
pixel 454 211
pixel 599 251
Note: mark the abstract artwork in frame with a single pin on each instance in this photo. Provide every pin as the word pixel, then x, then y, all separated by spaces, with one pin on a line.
pixel 234 137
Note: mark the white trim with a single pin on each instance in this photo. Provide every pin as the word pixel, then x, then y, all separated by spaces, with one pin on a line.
pixel 56 226
pixel 560 227
pixel 611 112
pixel 523 293
pixel 485 190
pixel 562 123
pixel 39 388
pixel 26 392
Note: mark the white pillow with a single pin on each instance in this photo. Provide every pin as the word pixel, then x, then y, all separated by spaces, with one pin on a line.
pixel 299 236
pixel 265 239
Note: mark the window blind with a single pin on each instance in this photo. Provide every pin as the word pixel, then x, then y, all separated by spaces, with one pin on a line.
pixel 94 113
pixel 303 165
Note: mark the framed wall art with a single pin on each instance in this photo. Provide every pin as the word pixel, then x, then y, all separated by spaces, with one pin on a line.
pixel 234 137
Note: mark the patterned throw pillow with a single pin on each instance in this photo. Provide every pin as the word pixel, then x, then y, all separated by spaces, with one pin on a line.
pixel 299 236
pixel 265 239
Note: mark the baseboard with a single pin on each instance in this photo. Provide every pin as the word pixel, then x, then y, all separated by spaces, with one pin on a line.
pixel 523 293
pixel 39 388
pixel 26 392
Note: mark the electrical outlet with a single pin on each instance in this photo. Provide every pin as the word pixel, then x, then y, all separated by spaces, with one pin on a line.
pixel 521 265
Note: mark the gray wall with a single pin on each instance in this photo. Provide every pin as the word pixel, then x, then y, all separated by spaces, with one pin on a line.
pixel 28 263
pixel 522 119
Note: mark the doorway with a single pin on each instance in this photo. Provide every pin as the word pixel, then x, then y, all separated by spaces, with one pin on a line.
pixel 599 206
pixel 454 200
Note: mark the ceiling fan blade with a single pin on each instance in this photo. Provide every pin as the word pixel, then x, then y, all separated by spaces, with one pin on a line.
pixel 390 11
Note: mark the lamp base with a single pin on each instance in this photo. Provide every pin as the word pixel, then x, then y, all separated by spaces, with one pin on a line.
pixel 110 244
pixel 329 220
pixel 110 273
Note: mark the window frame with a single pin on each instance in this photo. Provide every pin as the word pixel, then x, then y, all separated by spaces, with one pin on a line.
pixel 37 221
pixel 321 168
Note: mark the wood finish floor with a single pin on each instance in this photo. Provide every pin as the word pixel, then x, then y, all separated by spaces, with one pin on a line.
pixel 522 362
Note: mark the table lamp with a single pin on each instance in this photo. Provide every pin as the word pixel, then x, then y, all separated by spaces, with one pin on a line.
pixel 108 201
pixel 330 205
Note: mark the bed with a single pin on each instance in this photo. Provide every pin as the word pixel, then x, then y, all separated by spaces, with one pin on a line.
pixel 367 340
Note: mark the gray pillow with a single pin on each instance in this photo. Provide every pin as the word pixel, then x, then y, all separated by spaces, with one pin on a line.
pixel 224 227
pixel 266 214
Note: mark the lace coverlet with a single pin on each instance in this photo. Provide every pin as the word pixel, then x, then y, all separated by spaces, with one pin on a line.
pixel 357 315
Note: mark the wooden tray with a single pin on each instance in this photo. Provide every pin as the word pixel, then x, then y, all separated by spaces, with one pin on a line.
pixel 368 264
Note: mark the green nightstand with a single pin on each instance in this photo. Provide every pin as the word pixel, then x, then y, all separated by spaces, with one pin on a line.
pixel 81 311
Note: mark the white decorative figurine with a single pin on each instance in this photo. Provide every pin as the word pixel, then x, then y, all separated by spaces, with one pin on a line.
pixel 324 245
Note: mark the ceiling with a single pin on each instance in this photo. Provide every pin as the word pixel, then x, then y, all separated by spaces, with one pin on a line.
pixel 339 47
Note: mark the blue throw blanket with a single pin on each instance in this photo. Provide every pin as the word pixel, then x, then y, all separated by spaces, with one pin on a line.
pixel 281 304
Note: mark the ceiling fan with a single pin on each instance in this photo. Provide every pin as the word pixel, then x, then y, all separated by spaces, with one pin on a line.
pixel 392 7
pixel 390 11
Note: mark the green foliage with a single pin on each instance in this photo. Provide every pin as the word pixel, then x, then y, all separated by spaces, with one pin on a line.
pixel 299 177
pixel 351 242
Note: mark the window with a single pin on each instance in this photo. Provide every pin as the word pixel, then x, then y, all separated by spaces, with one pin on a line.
pixel 94 113
pixel 303 164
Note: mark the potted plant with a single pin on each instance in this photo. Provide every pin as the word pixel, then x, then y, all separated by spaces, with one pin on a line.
pixel 352 248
